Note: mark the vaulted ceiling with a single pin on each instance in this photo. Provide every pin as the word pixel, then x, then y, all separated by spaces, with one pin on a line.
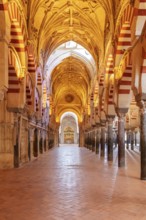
pixel 55 22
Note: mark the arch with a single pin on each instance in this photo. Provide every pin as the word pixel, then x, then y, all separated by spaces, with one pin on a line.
pixel 18 32
pixel 110 65
pixel 101 83
pixel 124 41
pixel 31 60
pixel 126 15
pixel 37 100
pixel 69 128
pixel 69 110
pixel 123 32
pixel 13 72
pixel 143 73
pixel 102 107
pixel 72 114
pixel 96 94
pixel 140 12
pixel 39 79
pixel 101 80
pixel 29 89
pixel 110 101
pixel 62 52
pixel 124 88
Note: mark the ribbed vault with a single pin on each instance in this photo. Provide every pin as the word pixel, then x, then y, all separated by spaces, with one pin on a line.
pixel 70 74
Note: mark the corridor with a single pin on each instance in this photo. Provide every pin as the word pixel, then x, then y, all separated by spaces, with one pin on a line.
pixel 72 183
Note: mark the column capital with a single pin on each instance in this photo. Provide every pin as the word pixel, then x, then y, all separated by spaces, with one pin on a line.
pixel 110 119
pixel 121 112
pixel 103 123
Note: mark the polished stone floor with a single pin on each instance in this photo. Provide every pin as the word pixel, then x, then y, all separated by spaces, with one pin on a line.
pixel 72 183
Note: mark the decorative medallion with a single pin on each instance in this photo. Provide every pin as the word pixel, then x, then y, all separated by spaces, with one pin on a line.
pixel 69 98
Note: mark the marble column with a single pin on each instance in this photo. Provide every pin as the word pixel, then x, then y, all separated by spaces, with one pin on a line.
pixel 103 140
pixel 110 139
pixel 143 144
pixel 121 141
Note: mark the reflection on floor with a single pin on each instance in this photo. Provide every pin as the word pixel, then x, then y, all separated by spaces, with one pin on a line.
pixel 72 183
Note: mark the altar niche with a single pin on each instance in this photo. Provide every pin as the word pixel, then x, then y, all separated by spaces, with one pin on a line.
pixel 69 135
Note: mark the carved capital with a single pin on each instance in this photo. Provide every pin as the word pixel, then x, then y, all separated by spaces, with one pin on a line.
pixel 110 120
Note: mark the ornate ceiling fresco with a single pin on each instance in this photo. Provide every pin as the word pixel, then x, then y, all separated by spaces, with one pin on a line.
pixel 53 23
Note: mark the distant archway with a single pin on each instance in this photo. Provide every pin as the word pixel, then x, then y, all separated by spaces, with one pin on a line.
pixel 69 131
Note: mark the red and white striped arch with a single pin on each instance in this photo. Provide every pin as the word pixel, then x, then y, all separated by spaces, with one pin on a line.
pixel 29 90
pixel 124 33
pixel 31 64
pixel 140 12
pixel 37 100
pixel 18 31
pixel 110 105
pixel 39 79
pixel 96 94
pixel 31 60
pixel 110 65
pixel 101 81
pixel 143 73
pixel 13 73
pixel 124 89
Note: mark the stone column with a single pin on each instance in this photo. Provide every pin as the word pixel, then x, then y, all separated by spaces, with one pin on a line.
pixel 121 141
pixel 36 143
pixel 89 141
pixel 103 140
pixel 41 144
pixel 93 141
pixel 45 141
pixel 143 144
pixel 30 142
pixel 81 135
pixel 128 140
pixel 110 139
pixel 16 141
pixel 56 135
pixel 97 140
pixel 137 139
pixel 132 140
pixel 135 135
pixel 84 139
